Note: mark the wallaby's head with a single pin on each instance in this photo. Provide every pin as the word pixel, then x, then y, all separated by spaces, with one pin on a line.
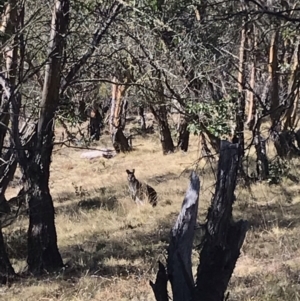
pixel 131 176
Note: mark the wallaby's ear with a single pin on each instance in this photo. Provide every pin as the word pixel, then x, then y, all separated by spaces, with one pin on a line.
pixel 128 171
pixel 133 171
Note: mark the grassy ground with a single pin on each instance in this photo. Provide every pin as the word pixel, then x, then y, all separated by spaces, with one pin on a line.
pixel 111 246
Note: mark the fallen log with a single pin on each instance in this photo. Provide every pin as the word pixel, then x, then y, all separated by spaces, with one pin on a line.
pixel 107 154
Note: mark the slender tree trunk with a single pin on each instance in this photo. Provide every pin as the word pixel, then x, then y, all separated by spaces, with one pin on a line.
pixel 42 240
pixel 184 135
pixel 262 162
pixel 250 94
pixel 124 114
pixel 293 90
pixel 8 29
pixel 240 104
pixel 95 124
pixel 161 115
pixel 142 117
pixel 120 142
pixel 273 74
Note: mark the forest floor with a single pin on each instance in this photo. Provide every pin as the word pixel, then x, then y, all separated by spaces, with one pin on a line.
pixel 111 246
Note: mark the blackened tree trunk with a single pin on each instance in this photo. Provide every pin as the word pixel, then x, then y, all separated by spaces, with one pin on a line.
pixel 184 135
pixel 224 237
pixel 221 243
pixel 161 115
pixel 43 252
pixel 179 265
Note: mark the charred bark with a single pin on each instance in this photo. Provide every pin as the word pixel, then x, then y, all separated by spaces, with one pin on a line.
pixel 161 116
pixel 179 266
pixel 224 237
pixel 221 243
pixel 43 253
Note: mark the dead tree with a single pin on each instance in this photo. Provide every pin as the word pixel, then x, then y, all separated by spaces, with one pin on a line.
pixel 224 237
pixel 221 243
pixel 179 265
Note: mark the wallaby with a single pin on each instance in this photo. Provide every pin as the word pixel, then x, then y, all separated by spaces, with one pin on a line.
pixel 140 190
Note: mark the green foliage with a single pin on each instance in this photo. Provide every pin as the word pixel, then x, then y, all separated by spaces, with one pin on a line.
pixel 278 169
pixel 216 116
pixel 69 113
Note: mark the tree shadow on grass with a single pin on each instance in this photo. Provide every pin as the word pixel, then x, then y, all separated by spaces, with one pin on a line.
pixel 105 199
pixel 103 255
pixel 270 215
pixel 16 244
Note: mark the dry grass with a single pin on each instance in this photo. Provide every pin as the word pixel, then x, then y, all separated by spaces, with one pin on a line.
pixel 111 246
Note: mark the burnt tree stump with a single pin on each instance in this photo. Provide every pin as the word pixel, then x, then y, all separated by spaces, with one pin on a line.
pixel 221 243
pixel 224 237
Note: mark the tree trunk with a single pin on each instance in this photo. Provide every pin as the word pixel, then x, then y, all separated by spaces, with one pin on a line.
pixel 120 142
pixel 273 74
pixel 240 104
pixel 224 237
pixel 42 241
pixel 221 243
pixel 124 114
pixel 142 117
pixel 179 264
pixel 262 162
pixel 293 90
pixel 161 116
pixel 43 253
pixel 95 124
pixel 184 135
pixel 250 93
pixel 82 110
